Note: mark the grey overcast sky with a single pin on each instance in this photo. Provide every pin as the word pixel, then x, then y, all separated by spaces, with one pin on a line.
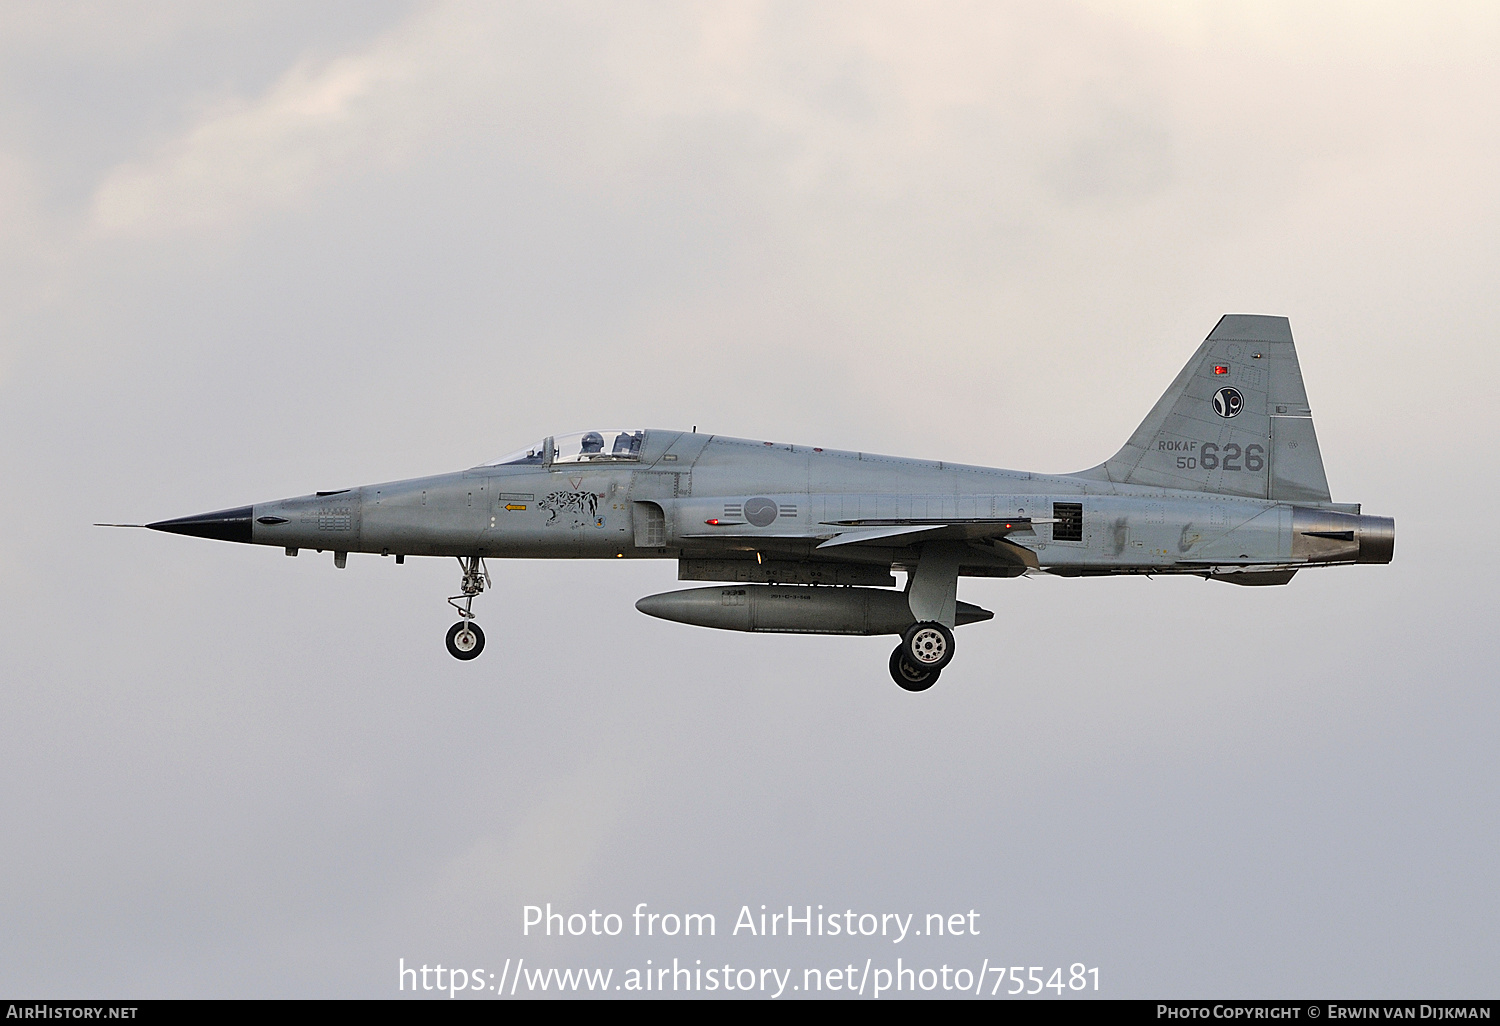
pixel 250 251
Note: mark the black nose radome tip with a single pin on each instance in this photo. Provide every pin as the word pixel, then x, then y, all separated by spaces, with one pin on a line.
pixel 225 525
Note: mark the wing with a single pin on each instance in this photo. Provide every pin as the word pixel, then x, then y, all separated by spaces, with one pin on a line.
pixel 834 533
pixel 858 532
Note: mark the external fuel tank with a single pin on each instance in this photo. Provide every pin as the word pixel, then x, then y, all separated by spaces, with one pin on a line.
pixel 794 609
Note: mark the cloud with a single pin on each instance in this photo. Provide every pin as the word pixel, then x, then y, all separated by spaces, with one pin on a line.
pixel 249 156
pixel 827 103
pixel 981 232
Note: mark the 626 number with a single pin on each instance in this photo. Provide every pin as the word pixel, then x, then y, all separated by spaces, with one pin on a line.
pixel 1229 457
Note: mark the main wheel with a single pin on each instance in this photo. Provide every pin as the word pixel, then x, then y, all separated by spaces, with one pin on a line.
pixel 908 676
pixel 927 646
pixel 465 640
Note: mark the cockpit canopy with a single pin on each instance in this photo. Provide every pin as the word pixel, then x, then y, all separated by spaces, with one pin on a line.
pixel 599 446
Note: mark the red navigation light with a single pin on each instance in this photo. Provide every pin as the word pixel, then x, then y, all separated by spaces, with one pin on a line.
pixel 1221 369
pixel 712 523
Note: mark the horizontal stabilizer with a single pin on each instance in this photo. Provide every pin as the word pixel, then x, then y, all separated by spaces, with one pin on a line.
pixel 1256 578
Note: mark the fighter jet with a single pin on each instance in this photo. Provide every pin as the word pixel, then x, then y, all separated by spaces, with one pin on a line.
pixel 1223 479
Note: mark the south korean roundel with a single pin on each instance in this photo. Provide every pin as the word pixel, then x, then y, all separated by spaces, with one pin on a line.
pixel 760 511
pixel 1228 402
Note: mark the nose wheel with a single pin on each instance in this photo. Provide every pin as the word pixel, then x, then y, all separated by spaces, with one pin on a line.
pixel 465 640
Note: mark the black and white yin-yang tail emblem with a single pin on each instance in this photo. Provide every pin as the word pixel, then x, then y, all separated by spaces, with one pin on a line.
pixel 1228 402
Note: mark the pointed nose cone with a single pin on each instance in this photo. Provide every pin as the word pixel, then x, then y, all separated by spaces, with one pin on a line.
pixel 664 606
pixel 225 525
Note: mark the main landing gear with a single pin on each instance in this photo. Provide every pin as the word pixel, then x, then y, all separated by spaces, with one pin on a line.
pixel 924 650
pixel 465 639
pixel 908 677
pixel 932 595
pixel 927 645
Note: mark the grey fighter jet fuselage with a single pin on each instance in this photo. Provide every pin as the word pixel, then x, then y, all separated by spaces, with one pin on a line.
pixel 1223 479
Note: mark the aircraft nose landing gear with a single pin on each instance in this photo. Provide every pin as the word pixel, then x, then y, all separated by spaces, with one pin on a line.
pixel 465 639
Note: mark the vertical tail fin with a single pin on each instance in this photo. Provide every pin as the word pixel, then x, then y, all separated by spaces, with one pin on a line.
pixel 1235 422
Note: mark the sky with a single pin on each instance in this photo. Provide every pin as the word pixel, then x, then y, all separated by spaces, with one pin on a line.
pixel 252 251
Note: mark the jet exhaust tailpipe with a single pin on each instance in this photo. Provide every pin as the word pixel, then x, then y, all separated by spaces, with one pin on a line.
pixel 1377 539
pixel 794 609
pixel 1327 536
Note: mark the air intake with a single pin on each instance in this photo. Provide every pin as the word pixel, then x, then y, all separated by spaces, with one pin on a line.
pixel 1069 526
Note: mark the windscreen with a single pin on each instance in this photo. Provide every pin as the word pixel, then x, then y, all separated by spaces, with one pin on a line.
pixel 532 454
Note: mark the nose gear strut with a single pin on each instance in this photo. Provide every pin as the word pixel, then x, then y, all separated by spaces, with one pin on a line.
pixel 465 639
